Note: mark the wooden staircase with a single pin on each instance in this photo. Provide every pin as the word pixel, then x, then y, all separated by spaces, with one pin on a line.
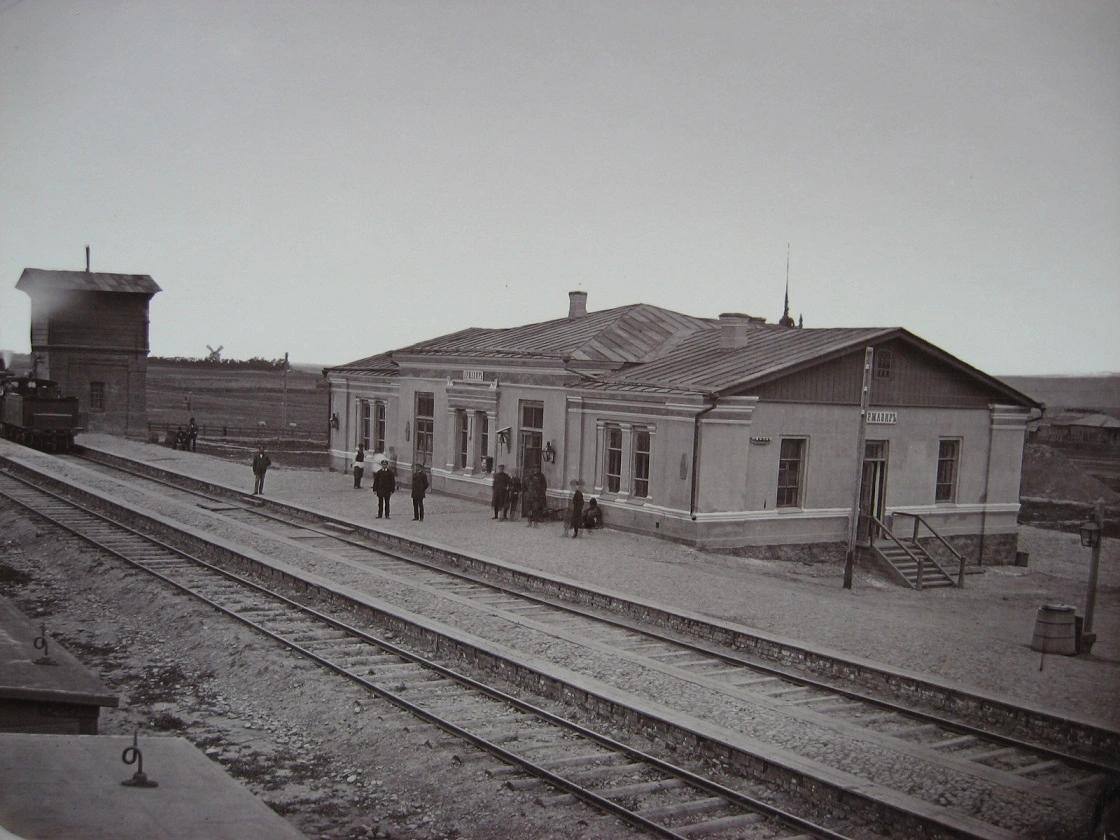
pixel 904 557
pixel 907 559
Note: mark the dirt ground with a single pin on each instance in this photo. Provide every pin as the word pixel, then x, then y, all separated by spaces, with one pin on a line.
pixel 334 760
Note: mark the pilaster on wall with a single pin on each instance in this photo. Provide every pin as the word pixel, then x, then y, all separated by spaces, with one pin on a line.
pixel 1005 457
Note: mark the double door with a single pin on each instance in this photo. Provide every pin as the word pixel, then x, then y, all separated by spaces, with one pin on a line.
pixel 872 489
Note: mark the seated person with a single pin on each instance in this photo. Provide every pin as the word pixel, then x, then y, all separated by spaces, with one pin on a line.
pixel 593 515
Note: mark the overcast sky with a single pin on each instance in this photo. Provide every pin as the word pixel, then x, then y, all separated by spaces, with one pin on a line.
pixel 335 179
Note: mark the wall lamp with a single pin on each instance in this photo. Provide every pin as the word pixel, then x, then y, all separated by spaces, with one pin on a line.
pixel 334 420
pixel 549 453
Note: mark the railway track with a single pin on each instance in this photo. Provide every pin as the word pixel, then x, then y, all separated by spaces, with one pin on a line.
pixel 649 793
pixel 732 672
pixel 1028 770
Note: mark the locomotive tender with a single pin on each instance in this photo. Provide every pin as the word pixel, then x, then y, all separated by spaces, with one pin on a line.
pixel 34 413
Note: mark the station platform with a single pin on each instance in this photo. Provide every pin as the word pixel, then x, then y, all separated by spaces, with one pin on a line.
pixel 977 638
pixel 69 786
pixel 63 697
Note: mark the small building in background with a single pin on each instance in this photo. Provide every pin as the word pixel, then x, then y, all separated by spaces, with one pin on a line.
pixel 89 333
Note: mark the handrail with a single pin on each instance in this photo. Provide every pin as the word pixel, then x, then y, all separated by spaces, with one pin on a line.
pixel 916 558
pixel 919 519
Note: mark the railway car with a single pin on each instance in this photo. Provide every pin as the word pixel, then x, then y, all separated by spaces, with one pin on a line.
pixel 34 413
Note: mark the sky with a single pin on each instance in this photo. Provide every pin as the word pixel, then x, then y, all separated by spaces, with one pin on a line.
pixel 336 179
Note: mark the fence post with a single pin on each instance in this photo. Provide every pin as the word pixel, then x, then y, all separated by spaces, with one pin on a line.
pixel 921 568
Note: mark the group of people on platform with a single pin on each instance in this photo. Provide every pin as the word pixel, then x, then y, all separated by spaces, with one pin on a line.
pixel 510 497
pixel 187 438
pixel 385 483
pixel 508 491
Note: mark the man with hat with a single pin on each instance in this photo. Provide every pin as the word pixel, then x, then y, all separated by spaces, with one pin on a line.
pixel 384 483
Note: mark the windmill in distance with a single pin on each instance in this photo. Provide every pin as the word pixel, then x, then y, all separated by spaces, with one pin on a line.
pixel 215 355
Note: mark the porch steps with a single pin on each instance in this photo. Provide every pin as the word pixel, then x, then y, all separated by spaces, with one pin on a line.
pixel 906 566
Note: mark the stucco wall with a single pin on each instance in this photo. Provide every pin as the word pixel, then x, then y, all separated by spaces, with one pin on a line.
pixel 738 453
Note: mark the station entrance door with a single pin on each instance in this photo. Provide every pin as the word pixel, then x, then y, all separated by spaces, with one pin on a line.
pixel 872 489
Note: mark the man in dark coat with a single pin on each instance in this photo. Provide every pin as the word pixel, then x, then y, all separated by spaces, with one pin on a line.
pixel 419 490
pixel 384 483
pixel 499 491
pixel 261 463
pixel 192 434
pixel 513 495
pixel 359 466
pixel 575 511
pixel 536 496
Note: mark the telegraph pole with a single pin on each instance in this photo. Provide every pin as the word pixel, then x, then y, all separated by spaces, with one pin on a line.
pixel 861 440
pixel 284 404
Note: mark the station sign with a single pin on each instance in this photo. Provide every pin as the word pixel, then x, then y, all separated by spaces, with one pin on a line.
pixel 882 418
pixel 474 375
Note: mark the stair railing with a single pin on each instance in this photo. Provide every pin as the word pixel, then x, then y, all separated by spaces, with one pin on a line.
pixel 917 558
pixel 920 520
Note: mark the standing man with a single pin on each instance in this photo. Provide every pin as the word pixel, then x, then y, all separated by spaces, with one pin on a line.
pixel 499 491
pixel 575 511
pixel 384 483
pixel 359 466
pixel 261 463
pixel 513 495
pixel 192 433
pixel 536 496
pixel 419 489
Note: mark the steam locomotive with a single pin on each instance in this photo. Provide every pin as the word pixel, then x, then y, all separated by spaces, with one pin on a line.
pixel 33 412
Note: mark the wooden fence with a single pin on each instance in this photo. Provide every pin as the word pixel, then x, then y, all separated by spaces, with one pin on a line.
pixel 245 432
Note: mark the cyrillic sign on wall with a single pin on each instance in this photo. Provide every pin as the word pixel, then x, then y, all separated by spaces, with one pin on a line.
pixel 473 375
pixel 882 418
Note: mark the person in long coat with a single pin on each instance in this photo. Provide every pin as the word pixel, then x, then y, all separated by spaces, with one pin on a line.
pixel 359 466
pixel 513 495
pixel 499 490
pixel 261 463
pixel 419 490
pixel 536 492
pixel 575 510
pixel 384 483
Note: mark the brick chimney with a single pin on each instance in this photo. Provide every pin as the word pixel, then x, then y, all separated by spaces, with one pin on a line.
pixel 577 304
pixel 733 329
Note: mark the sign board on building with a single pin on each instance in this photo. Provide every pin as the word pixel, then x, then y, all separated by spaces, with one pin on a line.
pixel 473 375
pixel 882 418
pixel 760 441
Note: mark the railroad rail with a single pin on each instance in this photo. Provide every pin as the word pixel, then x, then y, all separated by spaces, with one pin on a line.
pixel 994 756
pixel 1050 766
pixel 645 791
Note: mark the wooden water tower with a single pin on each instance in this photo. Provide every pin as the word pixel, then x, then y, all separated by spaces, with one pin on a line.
pixel 89 333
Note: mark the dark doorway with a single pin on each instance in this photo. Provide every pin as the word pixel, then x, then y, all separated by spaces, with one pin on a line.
pixel 872 489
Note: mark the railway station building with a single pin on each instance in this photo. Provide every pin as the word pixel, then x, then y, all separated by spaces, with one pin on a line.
pixel 716 432
pixel 89 333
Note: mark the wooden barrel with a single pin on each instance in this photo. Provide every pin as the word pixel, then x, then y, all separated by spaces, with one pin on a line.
pixel 1055 630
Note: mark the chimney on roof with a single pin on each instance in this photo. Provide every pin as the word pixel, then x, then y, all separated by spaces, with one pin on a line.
pixel 577 304
pixel 733 329
pixel 87 259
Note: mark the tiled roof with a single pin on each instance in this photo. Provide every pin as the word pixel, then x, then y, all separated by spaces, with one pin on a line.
pixel 699 364
pixel 89 281
pixel 626 334
pixel 1091 420
pixel 379 365
pixel 647 349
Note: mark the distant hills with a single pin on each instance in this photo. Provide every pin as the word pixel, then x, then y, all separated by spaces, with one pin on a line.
pixel 1100 392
